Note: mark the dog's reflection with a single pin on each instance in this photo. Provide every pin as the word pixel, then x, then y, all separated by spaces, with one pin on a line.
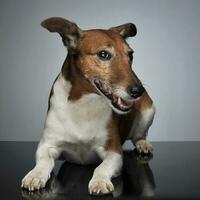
pixel 72 180
pixel 138 179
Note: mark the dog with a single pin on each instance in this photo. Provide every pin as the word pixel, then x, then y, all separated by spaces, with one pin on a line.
pixel 96 103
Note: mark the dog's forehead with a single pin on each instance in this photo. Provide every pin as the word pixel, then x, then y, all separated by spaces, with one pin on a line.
pixel 97 39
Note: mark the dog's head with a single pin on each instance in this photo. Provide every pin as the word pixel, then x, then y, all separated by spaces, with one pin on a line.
pixel 104 58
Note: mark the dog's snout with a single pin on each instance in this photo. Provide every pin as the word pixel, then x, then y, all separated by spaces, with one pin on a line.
pixel 136 91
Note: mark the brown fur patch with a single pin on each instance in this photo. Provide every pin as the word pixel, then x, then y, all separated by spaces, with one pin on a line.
pixel 144 103
pixel 80 85
pixel 113 142
pixel 51 94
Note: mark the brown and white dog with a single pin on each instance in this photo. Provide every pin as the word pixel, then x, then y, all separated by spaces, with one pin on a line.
pixel 96 103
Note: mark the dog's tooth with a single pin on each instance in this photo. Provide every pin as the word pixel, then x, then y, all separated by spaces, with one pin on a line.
pixel 119 101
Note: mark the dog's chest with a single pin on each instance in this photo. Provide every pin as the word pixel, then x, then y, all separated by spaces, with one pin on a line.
pixel 82 122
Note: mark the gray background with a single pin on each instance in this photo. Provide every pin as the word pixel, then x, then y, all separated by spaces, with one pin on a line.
pixel 166 59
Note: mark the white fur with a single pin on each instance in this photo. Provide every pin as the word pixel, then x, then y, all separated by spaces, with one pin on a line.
pixel 79 127
pixel 78 130
pixel 121 92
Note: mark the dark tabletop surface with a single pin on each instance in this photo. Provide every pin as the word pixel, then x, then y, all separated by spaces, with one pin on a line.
pixel 173 172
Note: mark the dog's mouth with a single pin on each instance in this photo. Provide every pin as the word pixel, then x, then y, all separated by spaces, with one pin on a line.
pixel 117 102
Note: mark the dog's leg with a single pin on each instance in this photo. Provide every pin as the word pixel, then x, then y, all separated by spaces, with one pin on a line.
pixel 142 122
pixel 101 179
pixel 111 155
pixel 45 160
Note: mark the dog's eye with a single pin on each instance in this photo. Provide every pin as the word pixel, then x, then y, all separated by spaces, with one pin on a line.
pixel 130 55
pixel 104 55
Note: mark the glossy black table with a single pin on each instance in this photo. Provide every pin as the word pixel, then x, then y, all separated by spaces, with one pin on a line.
pixel 173 172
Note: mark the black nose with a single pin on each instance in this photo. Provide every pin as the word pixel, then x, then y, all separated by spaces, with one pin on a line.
pixel 136 91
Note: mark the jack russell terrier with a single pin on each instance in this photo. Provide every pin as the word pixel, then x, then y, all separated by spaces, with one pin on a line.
pixel 96 103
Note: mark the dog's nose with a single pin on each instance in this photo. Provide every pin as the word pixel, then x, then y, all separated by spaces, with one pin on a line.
pixel 136 91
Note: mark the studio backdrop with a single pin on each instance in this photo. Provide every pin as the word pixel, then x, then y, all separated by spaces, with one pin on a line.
pixel 166 59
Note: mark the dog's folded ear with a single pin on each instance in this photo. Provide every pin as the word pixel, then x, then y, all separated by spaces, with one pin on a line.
pixel 69 31
pixel 126 30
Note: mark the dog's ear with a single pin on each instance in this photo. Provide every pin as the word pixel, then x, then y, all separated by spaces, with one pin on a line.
pixel 69 31
pixel 126 30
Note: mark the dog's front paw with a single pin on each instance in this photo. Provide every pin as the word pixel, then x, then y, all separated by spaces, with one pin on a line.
pixel 34 180
pixel 144 146
pixel 100 186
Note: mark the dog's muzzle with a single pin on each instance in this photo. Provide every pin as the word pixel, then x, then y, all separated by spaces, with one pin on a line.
pixel 120 104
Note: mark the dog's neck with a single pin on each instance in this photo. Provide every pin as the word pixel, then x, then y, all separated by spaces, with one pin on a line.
pixel 71 72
